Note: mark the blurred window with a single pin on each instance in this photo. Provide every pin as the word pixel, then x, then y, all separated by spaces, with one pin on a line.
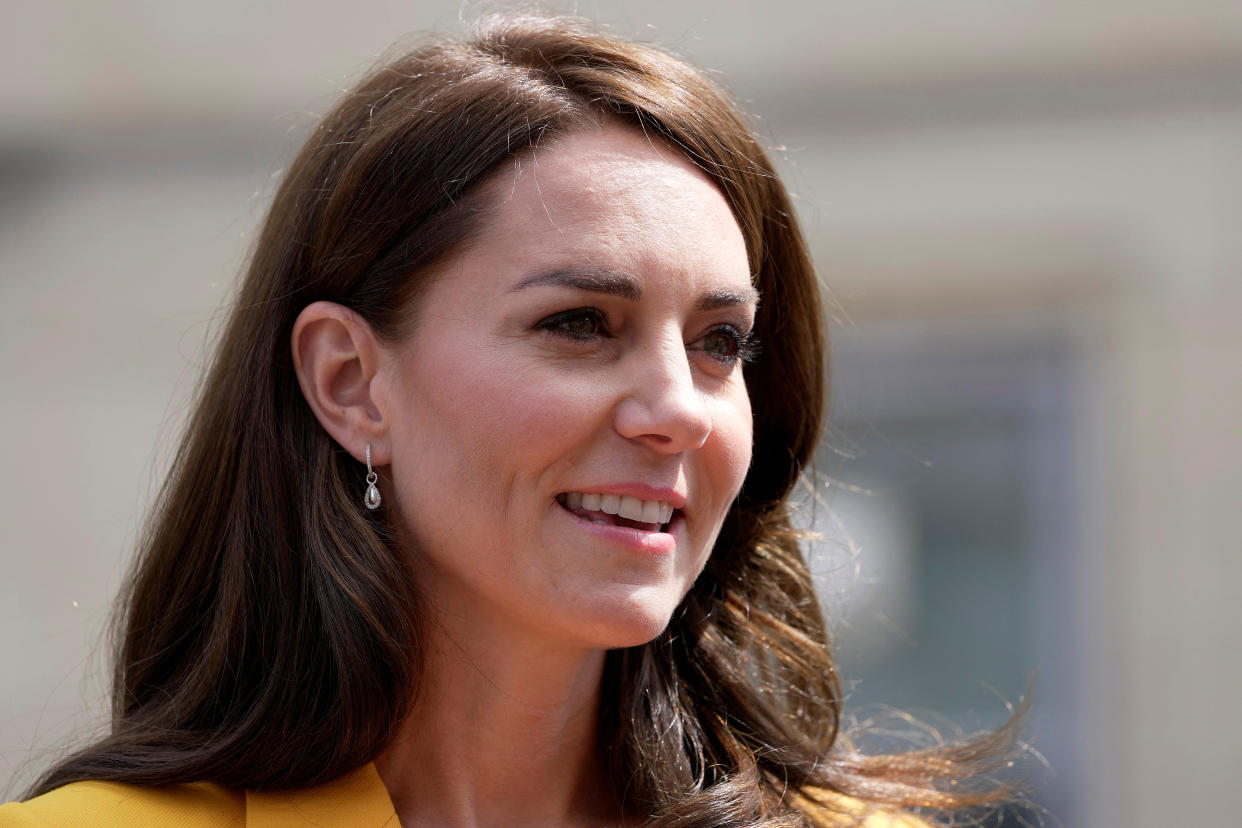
pixel 947 562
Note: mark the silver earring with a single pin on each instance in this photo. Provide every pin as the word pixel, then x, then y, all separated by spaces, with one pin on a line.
pixel 372 498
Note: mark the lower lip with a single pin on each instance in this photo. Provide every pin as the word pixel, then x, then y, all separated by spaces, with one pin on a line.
pixel 653 543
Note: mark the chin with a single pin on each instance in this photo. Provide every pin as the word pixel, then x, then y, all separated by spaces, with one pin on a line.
pixel 632 623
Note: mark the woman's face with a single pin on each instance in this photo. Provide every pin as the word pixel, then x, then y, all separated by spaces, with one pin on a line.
pixel 580 356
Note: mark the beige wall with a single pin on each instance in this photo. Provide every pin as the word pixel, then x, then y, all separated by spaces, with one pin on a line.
pixel 999 165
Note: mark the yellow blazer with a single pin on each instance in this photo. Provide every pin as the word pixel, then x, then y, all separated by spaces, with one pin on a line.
pixel 357 800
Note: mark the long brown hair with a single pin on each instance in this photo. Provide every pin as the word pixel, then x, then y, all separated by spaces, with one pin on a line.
pixel 269 635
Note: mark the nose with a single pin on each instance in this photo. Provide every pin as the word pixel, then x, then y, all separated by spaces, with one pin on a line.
pixel 662 407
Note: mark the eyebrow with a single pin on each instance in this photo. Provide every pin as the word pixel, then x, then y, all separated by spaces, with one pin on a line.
pixel 725 298
pixel 592 280
pixel 627 286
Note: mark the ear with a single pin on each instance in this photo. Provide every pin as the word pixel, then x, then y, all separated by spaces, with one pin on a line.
pixel 336 357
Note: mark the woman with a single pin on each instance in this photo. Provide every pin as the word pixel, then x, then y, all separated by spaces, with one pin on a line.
pixel 481 515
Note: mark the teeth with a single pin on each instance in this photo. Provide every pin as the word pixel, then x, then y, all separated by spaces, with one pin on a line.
pixel 631 507
pixel 627 506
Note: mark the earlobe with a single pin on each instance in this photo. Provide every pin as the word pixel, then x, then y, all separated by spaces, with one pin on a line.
pixel 336 358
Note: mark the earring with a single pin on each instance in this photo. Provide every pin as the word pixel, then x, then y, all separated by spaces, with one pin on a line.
pixel 372 498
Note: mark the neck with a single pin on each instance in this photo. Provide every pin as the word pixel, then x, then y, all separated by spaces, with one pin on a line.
pixel 503 731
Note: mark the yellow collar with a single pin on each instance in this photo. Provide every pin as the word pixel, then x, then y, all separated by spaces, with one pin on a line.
pixel 356 799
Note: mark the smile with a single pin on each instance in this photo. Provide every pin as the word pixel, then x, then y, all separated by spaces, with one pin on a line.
pixel 619 510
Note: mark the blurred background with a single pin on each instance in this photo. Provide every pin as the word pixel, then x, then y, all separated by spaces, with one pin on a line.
pixel 1027 215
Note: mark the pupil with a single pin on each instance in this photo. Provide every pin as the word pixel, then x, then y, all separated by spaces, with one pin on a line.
pixel 582 325
pixel 720 343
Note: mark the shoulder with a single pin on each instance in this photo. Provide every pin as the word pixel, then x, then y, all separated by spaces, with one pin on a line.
pixel 833 810
pixel 114 803
pixel 355 800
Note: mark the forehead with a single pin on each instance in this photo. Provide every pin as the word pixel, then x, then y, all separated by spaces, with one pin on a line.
pixel 614 190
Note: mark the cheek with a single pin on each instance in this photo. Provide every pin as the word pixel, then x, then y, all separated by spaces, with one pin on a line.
pixel 517 411
pixel 486 426
pixel 735 431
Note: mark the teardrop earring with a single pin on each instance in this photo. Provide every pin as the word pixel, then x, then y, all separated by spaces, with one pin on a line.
pixel 372 498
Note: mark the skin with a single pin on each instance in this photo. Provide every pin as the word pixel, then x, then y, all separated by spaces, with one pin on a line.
pixel 514 387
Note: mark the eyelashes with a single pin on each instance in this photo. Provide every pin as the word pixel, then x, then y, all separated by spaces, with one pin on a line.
pixel 724 343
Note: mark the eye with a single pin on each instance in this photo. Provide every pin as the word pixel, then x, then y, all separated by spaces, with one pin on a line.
pixel 721 343
pixel 579 324
pixel 728 345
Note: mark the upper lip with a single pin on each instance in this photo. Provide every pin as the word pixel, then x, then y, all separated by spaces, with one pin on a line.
pixel 642 491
